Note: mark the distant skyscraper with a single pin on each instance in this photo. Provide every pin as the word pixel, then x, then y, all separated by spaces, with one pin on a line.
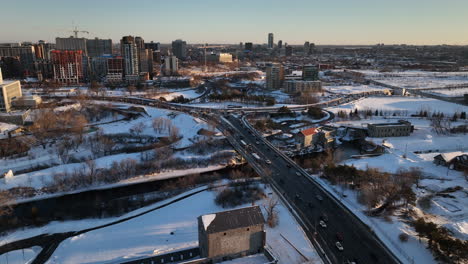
pixel 288 50
pixel 179 49
pixel 98 47
pixel 306 48
pixel 274 76
pixel 71 43
pixel 280 44
pixel 130 56
pixel 68 65
pixel 153 46
pixel 249 46
pixel 270 40
pixel 310 73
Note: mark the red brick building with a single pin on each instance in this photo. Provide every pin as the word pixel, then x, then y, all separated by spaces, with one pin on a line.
pixel 68 65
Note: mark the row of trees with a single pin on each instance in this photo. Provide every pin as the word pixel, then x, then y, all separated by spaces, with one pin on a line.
pixel 445 247
pixel 377 190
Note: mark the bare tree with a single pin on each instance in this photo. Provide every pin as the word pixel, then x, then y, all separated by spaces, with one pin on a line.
pixel 272 212
pixel 138 128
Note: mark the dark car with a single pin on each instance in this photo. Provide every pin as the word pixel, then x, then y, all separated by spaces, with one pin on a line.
pixel 339 236
pixel 324 217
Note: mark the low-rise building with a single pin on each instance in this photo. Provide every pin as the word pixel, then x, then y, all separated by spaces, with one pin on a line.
pixel 307 137
pixel 400 129
pixel 294 86
pixel 26 102
pixel 231 234
pixel 455 160
pixel 9 90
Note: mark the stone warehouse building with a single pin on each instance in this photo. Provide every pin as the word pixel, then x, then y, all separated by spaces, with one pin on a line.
pixel 400 129
pixel 230 234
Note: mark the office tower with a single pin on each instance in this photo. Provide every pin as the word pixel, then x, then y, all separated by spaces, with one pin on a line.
pixel 310 73
pixel 43 49
pixel 68 65
pixel 98 47
pixel 289 51
pixel 71 43
pixel 146 60
pixel 153 45
pixel 241 46
pixel 270 40
pixel 9 90
pixel 306 48
pixel 130 56
pixel 115 70
pixel 280 44
pixel 249 46
pixel 274 76
pixel 25 53
pixel 98 67
pixel 312 48
pixel 171 65
pixel 179 49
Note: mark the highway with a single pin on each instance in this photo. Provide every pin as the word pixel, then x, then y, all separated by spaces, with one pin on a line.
pixel 311 203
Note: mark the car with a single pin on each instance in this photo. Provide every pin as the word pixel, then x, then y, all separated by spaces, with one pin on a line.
pixel 322 224
pixel 324 217
pixel 281 181
pixel 298 173
pixel 288 165
pixel 310 205
pixel 257 142
pixel 339 236
pixel 319 197
pixel 339 246
pixel 276 155
pixel 268 162
pixel 297 197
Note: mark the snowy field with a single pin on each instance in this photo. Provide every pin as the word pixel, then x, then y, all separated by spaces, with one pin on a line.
pixel 418 79
pixel 169 95
pixel 352 89
pixel 22 256
pixel 411 105
pixel 150 234
pixel 449 92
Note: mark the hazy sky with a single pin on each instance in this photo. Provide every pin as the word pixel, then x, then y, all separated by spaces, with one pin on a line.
pixel 221 21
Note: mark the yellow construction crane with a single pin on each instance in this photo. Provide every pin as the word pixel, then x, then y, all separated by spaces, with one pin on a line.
pixel 76 31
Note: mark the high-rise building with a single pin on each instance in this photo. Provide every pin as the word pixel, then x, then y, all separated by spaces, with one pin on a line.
pixel 12 67
pixel 306 48
pixel 249 46
pixel 274 76
pixel 153 45
pixel 179 48
pixel 310 73
pixel 25 53
pixel 115 70
pixel 171 65
pixel 99 47
pixel 68 65
pixel 71 43
pixel 280 44
pixel 43 49
pixel 270 40
pixel 130 56
pixel 98 67
pixel 9 90
pixel 288 50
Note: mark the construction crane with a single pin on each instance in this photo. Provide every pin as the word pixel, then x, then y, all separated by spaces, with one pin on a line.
pixel 76 31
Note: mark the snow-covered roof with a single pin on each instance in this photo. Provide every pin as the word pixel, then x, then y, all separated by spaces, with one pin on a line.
pixel 451 155
pixel 232 219
pixel 207 219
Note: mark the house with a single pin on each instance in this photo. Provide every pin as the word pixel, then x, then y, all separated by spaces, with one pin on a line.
pixel 307 136
pixel 400 129
pixel 230 234
pixel 455 160
pixel 326 137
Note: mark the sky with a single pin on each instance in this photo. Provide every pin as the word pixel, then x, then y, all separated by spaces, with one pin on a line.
pixel 336 22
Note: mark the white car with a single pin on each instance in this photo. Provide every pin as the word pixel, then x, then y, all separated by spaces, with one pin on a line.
pixel 268 162
pixel 322 224
pixel 339 246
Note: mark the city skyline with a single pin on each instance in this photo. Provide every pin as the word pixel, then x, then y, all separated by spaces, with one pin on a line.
pixel 361 22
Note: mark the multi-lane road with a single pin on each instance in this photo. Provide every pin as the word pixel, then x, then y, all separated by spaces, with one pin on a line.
pixel 310 201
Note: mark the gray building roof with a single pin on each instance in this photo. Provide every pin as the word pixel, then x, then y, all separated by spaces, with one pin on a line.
pixel 232 219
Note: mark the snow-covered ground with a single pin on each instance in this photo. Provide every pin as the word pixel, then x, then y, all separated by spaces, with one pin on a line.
pixel 22 256
pixel 417 79
pixel 5 128
pixel 170 95
pixel 411 105
pixel 252 259
pixel 449 92
pixel 150 234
